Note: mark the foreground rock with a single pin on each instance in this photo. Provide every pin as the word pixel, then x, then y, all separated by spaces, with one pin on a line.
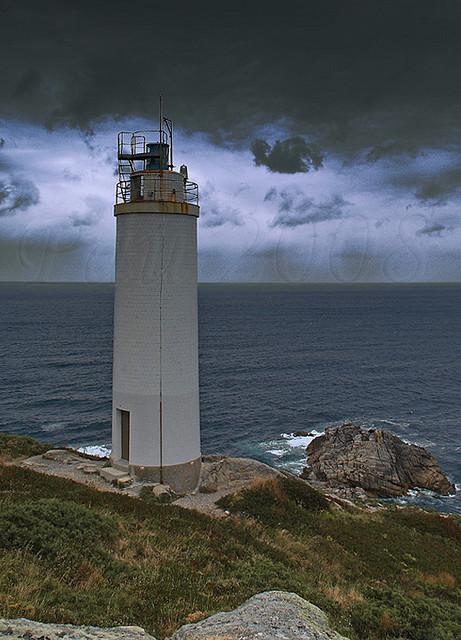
pixel 374 461
pixel 30 630
pixel 266 616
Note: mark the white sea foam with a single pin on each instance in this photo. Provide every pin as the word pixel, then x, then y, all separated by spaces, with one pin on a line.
pixel 394 423
pixel 295 441
pixel 289 450
pixel 277 452
pixel 52 426
pixel 99 450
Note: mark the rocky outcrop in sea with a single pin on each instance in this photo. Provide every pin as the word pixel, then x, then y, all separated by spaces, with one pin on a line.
pixel 374 461
pixel 272 615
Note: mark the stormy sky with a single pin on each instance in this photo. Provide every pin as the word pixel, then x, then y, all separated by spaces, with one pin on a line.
pixel 325 136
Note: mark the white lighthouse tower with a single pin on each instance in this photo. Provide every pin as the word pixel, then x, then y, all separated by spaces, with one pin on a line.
pixel 155 423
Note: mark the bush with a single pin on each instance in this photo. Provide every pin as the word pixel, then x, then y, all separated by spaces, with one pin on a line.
pixel 286 502
pixel 54 528
pixel 391 613
pixel 17 446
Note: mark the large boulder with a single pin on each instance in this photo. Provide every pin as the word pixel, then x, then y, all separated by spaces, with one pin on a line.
pixel 374 460
pixel 267 616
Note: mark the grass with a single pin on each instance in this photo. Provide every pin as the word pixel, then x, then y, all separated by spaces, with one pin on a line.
pixel 71 554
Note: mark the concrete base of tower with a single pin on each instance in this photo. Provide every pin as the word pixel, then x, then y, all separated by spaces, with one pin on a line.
pixel 182 478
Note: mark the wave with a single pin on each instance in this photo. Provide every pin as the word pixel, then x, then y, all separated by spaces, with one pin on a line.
pixel 288 451
pixel 99 450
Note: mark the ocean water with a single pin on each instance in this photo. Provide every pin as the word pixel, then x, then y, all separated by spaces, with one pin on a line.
pixel 274 360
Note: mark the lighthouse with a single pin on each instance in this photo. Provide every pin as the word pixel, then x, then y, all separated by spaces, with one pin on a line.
pixel 155 420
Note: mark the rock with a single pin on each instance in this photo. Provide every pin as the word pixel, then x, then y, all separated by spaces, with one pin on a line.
pixel 90 469
pixel 30 630
pixel 112 475
pixel 163 493
pixel 124 481
pixel 376 461
pixel 60 455
pixel 208 487
pixel 219 472
pixel 267 616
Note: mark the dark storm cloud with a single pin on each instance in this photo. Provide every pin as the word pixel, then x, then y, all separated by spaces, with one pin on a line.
pixel 434 229
pixel 392 149
pixel 293 155
pixel 349 75
pixel 440 187
pixel 17 194
pixel 295 208
pixel 434 189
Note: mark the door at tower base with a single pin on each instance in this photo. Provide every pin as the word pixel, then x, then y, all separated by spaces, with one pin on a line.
pixel 156 423
pixel 125 434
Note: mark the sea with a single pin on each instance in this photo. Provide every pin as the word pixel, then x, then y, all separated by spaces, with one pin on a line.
pixel 278 363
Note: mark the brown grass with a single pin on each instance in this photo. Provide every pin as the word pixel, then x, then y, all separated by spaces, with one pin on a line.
pixel 342 595
pixel 443 579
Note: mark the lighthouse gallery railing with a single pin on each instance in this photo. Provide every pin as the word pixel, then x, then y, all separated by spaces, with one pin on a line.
pixel 164 189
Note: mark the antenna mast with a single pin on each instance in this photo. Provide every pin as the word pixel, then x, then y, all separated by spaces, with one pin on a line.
pixel 160 113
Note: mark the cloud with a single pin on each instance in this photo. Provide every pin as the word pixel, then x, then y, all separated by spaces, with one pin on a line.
pixel 95 209
pixel 253 225
pixel 68 175
pixel 216 216
pixel 392 149
pixel 435 188
pixel 87 220
pixel 293 155
pixel 346 82
pixel 17 194
pixel 439 188
pixel 296 209
pixel 215 211
pixel 434 229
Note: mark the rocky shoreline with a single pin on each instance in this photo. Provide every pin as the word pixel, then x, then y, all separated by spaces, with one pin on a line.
pixel 350 465
pixel 371 463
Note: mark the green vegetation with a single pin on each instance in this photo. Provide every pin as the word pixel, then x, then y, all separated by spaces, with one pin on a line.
pixel 71 554
pixel 13 447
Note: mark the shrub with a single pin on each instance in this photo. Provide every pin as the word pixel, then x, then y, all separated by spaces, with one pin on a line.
pixel 54 528
pixel 17 446
pixel 388 612
pixel 283 502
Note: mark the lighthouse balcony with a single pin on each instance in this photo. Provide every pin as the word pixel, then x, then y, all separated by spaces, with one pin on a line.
pixel 157 186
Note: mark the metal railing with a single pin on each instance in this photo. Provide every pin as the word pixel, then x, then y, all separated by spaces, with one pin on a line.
pixel 159 188
pixel 133 143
